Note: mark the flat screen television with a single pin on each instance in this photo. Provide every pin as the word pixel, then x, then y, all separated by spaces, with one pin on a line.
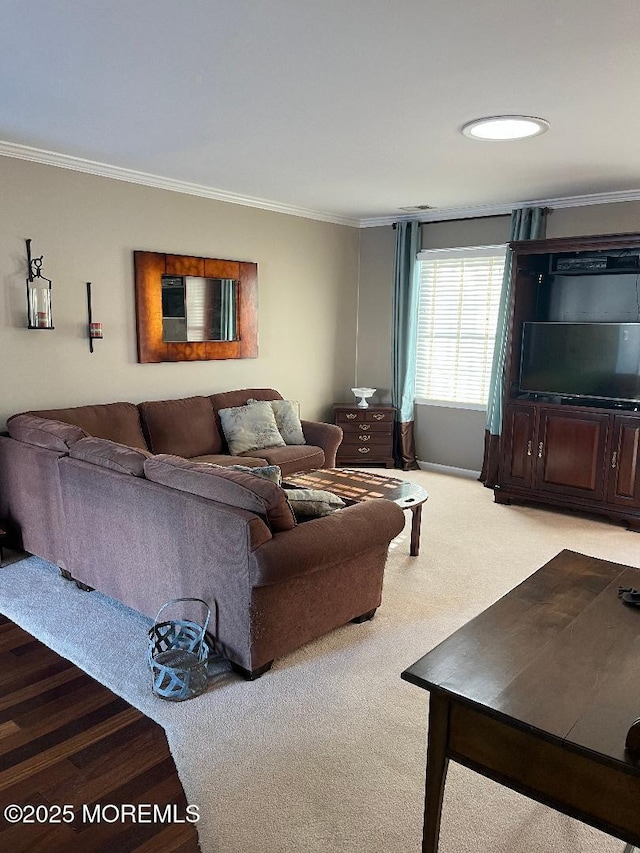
pixel 598 361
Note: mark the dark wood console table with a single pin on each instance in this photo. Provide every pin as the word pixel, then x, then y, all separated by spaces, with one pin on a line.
pixel 538 693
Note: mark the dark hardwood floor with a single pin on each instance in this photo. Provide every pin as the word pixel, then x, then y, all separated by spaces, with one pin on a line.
pixel 67 740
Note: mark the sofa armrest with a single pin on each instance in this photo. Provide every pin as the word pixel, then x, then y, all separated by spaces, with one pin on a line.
pixel 325 541
pixel 326 436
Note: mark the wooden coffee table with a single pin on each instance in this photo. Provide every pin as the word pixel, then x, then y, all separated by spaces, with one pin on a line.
pixel 538 693
pixel 356 486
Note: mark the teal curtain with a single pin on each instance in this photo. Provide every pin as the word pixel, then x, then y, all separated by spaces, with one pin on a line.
pixel 527 223
pixel 405 324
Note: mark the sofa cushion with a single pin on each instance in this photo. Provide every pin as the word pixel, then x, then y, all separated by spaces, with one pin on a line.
pixel 287 415
pixel 313 503
pixel 293 457
pixel 248 428
pixel 44 432
pixel 116 421
pixel 236 488
pixel 110 454
pixel 232 399
pixel 182 427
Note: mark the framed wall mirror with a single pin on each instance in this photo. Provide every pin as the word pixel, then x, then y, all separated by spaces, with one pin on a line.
pixel 195 309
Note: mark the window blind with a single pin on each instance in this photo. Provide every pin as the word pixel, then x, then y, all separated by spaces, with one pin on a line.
pixel 457 317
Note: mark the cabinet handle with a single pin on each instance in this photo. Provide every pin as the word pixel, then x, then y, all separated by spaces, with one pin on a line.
pixel 351 415
pixel 614 459
pixel 540 449
pixel 364 437
pixel 529 447
pixel 364 449
pixel 365 426
pixel 378 416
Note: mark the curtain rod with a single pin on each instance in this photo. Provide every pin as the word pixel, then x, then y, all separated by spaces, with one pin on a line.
pixel 546 210
pixel 460 219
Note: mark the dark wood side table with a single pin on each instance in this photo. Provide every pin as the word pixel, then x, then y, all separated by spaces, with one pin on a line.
pixel 356 486
pixel 538 693
pixel 368 435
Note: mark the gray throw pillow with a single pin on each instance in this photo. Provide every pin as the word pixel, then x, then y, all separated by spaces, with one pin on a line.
pixel 250 428
pixel 313 503
pixel 287 415
pixel 269 472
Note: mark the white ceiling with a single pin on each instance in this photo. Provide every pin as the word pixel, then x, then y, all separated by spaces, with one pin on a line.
pixel 348 109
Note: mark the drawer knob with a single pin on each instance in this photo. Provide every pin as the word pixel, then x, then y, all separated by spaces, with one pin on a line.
pixel 365 426
pixel 378 416
pixel 351 415
pixel 364 449
pixel 364 437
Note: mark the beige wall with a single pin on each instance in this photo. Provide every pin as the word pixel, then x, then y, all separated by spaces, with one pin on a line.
pixel 451 436
pixel 374 311
pixel 87 228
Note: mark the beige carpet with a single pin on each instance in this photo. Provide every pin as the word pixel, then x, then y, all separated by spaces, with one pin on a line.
pixel 326 752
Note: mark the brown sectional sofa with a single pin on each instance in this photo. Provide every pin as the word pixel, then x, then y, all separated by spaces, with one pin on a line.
pixel 118 497
pixel 190 427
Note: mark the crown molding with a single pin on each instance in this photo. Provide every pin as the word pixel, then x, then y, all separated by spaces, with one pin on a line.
pixel 446 213
pixel 118 173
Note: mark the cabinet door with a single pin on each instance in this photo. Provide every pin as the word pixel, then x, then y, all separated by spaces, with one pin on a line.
pixel 516 464
pixel 570 454
pixel 624 467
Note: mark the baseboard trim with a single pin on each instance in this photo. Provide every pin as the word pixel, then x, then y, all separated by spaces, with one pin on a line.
pixel 449 469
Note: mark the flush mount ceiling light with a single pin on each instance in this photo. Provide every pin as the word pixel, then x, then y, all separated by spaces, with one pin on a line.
pixel 502 128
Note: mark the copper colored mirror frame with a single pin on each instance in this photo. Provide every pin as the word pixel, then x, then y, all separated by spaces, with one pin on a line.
pixel 149 268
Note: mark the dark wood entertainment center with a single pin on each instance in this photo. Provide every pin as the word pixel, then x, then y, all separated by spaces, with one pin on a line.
pixel 572 452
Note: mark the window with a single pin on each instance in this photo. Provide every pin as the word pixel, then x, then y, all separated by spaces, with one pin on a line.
pixel 457 317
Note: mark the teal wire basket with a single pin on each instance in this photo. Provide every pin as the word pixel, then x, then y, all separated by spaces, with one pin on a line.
pixel 177 655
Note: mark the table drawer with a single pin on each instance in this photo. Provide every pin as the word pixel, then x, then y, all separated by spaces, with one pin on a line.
pixel 366 426
pixel 366 452
pixel 379 417
pixel 351 416
pixel 370 438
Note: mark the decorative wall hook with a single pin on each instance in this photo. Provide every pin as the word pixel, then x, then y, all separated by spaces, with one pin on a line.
pixel 39 314
pixel 95 329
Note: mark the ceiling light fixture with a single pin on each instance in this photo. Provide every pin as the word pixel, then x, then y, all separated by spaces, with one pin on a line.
pixel 502 128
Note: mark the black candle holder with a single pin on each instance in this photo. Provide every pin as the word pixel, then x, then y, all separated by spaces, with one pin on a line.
pixel 39 314
pixel 95 329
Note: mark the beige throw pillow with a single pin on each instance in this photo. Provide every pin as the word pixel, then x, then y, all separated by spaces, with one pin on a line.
pixel 250 428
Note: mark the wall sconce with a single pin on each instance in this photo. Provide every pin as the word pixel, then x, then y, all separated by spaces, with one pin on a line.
pixel 95 329
pixel 39 314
